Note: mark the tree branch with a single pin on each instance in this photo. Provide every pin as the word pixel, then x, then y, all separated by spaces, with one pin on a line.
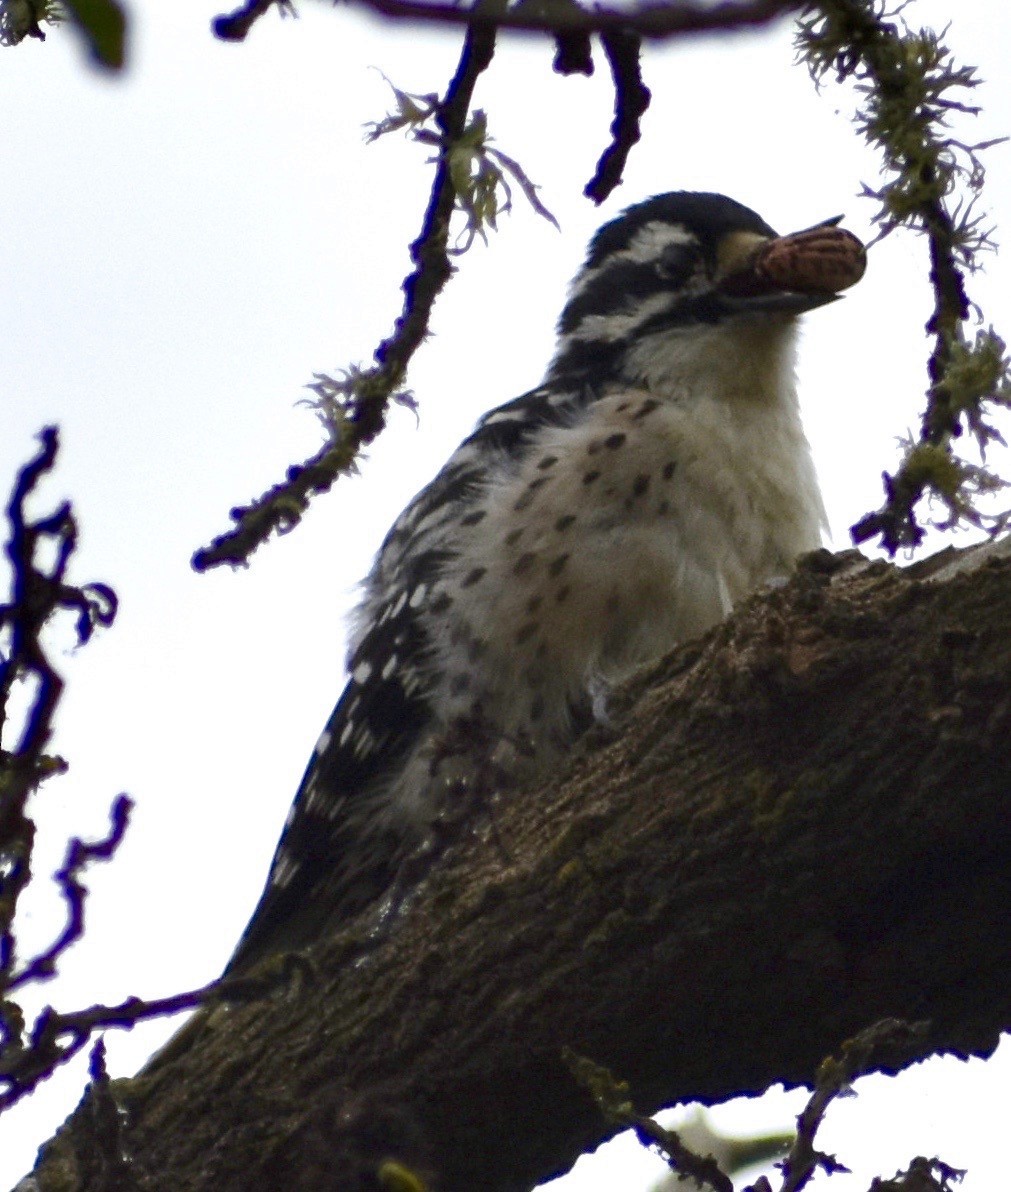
pixel 39 552
pixel 793 829
pixel 910 87
pixel 655 20
pixel 235 26
pixel 79 856
pixel 361 417
pixel 631 99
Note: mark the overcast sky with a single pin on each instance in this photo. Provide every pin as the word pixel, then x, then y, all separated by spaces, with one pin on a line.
pixel 184 246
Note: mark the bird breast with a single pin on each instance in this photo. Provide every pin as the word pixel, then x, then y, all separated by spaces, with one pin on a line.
pixel 615 538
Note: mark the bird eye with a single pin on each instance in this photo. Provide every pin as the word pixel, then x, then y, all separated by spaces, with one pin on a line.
pixel 677 263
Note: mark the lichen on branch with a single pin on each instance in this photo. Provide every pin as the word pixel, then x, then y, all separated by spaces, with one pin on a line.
pixel 354 407
pixel 910 88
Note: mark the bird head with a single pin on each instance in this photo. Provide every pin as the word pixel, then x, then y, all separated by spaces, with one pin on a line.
pixel 685 271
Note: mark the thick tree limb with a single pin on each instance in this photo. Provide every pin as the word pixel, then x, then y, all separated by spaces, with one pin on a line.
pixel 794 828
pixel 652 19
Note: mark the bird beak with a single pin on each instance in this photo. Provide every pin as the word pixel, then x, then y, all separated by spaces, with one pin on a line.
pixel 788 274
pixel 784 302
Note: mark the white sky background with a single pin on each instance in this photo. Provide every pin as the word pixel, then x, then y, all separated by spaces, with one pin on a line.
pixel 183 247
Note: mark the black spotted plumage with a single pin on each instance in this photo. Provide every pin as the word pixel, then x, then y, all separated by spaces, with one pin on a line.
pixel 341 863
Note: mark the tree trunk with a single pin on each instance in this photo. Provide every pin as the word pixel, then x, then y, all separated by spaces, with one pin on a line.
pixel 791 829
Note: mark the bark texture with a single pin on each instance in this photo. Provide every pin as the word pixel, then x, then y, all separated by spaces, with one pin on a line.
pixel 793 828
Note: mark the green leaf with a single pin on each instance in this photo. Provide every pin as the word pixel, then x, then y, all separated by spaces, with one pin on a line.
pixel 103 24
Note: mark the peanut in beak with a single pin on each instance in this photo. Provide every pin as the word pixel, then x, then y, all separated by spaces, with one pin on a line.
pixel 819 260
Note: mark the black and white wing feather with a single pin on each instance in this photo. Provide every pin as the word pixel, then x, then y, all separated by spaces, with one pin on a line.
pixel 352 822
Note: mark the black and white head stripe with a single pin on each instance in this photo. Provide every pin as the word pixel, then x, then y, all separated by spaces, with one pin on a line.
pixel 639 232
pixel 647 270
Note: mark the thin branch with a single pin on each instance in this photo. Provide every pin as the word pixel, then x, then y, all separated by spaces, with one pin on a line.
pixel 429 254
pixel 631 99
pixel 234 26
pixel 703 1169
pixel 39 589
pixel 31 602
pixel 613 1099
pixel 68 877
pixel 886 1041
pixel 364 414
pixel 37 592
pixel 56 1038
pixel 865 1052
pixel 906 78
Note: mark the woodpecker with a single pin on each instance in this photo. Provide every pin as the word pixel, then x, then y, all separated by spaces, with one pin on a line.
pixel 658 474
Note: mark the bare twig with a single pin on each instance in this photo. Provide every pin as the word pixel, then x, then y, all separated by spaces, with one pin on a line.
pixel 68 876
pixel 859 1055
pixel 234 26
pixel 37 593
pixel 57 1037
pixel 631 99
pixel 363 415
pixel 613 1098
pixel 39 589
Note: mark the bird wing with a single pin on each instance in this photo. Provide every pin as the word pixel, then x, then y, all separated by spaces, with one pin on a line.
pixel 341 845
